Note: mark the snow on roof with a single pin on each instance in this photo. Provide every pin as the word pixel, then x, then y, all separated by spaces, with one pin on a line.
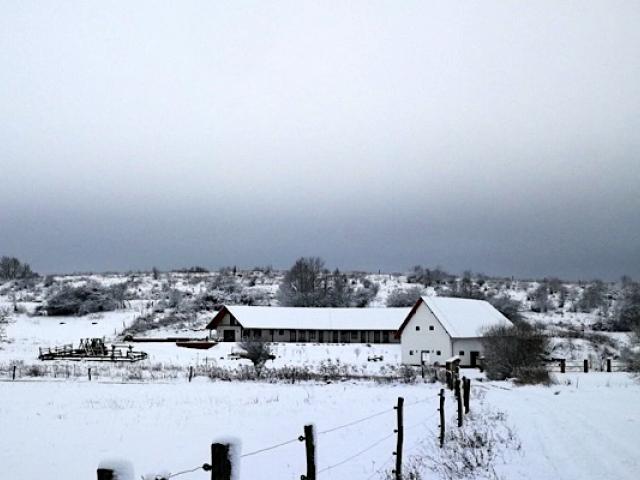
pixel 464 317
pixel 312 318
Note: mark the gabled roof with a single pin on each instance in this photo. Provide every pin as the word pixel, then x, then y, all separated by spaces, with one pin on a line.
pixel 311 318
pixel 460 317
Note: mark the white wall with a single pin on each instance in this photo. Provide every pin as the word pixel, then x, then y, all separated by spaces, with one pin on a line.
pixel 467 345
pixel 415 341
pixel 225 324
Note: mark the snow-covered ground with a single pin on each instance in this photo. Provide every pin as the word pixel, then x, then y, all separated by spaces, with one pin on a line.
pixel 74 425
pixel 26 333
pixel 585 427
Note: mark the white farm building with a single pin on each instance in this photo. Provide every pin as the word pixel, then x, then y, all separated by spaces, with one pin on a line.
pixel 438 328
pixel 308 324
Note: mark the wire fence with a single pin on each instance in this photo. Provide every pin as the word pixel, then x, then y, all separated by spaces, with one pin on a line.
pixel 423 422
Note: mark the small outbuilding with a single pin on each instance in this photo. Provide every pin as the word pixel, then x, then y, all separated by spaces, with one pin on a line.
pixel 438 328
pixel 308 324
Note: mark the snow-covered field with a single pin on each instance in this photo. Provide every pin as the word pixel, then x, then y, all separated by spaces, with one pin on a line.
pixel 585 427
pixel 74 425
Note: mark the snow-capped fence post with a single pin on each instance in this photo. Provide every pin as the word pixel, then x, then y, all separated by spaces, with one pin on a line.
pixel 105 474
pixel 115 469
pixel 466 383
pixel 220 462
pixel 310 449
pixel 586 366
pixel 459 399
pixel 449 375
pixel 609 365
pixel 400 438
pixel 441 410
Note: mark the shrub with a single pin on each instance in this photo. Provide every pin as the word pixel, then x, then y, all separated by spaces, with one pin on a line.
pixel 509 307
pixel 515 350
pixel 90 298
pixel 404 298
pixel 532 375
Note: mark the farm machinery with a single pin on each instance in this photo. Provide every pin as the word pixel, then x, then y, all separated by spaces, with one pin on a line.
pixel 92 349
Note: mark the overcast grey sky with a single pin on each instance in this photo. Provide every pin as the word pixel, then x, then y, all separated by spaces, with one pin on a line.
pixel 502 137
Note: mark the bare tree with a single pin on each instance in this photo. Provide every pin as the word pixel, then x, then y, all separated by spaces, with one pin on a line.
pixel 11 268
pixel 258 352
pixel 593 296
pixel 304 285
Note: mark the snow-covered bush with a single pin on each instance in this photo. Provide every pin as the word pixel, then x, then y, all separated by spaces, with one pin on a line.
pixel 84 299
pixel 511 351
pixel 471 451
pixel 404 298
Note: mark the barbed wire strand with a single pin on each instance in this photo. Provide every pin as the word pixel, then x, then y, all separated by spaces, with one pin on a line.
pixel 272 447
pixel 333 429
pixel 355 455
pixel 423 422
pixel 191 470
pixel 355 422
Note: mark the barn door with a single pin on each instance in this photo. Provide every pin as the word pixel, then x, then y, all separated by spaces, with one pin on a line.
pixel 425 357
pixel 474 358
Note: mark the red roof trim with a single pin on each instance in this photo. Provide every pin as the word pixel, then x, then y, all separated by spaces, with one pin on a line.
pixel 411 314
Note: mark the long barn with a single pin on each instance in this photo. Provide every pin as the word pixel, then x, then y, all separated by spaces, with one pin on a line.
pixel 313 325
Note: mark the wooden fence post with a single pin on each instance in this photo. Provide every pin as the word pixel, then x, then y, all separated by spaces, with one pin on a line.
pixel 105 474
pixel 400 432
pixel 466 383
pixel 14 372
pixel 586 366
pixel 89 373
pixel 220 462
pixel 441 410
pixel 310 449
pixel 563 365
pixel 449 375
pixel 459 398
pixel 608 365
pixel 190 373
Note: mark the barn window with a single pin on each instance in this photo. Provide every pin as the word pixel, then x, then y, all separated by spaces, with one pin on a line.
pixel 257 333
pixel 417 328
pixel 280 332
pixel 232 321
pixel 438 352
pixel 312 334
pixel 431 327
pixel 461 353
pixel 354 335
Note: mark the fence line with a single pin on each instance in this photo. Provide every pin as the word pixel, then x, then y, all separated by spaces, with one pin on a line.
pixel 221 463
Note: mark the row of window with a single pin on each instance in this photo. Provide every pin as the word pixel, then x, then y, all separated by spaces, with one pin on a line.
pixel 460 353
pixel 431 327
pixel 323 335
